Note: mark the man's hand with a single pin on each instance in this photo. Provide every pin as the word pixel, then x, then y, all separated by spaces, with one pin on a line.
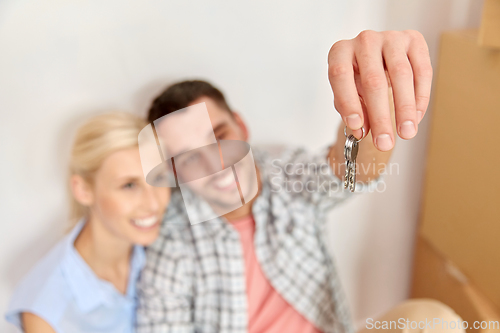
pixel 362 69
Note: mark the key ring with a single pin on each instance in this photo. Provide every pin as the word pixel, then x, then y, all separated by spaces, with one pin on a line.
pixel 358 140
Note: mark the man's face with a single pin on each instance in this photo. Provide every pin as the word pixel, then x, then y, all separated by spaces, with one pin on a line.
pixel 184 133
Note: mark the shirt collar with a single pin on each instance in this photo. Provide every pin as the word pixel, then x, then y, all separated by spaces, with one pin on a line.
pixel 88 289
pixel 137 263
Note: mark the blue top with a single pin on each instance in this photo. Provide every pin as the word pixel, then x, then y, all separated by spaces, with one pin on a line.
pixel 64 291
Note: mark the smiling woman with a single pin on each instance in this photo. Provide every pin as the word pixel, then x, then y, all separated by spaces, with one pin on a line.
pixel 86 283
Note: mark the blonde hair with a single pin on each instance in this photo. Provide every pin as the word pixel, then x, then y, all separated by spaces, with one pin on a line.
pixel 95 140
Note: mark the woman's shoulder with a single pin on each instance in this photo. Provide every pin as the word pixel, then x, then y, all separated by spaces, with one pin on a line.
pixel 44 291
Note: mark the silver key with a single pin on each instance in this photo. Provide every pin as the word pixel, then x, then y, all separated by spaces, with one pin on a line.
pixel 350 153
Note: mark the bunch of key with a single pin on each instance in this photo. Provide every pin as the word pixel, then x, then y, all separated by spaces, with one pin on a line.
pixel 350 153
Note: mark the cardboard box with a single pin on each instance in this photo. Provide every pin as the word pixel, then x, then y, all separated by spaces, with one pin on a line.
pixel 437 278
pixel 489 34
pixel 461 203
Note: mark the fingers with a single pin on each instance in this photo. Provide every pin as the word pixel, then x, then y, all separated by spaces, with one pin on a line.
pixel 341 76
pixel 366 126
pixel 375 88
pixel 360 86
pixel 400 73
pixel 418 55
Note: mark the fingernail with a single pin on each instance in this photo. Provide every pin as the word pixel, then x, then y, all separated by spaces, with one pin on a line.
pixel 354 121
pixel 407 129
pixel 384 142
pixel 419 116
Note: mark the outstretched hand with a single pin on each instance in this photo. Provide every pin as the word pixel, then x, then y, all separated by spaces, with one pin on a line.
pixel 361 70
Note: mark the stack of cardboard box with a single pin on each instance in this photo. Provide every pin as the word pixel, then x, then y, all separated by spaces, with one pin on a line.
pixel 458 247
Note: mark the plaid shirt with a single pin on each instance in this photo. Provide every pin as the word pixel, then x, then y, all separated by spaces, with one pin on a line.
pixel 194 279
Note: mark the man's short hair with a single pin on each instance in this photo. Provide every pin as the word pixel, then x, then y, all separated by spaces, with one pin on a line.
pixel 179 95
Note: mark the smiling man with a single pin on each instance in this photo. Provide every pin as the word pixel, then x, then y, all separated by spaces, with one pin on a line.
pixel 206 165
pixel 264 267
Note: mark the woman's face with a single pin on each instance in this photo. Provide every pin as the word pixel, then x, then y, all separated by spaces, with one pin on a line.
pixel 124 203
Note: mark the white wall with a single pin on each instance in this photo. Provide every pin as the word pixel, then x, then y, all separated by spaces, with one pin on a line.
pixel 61 61
pixel 374 246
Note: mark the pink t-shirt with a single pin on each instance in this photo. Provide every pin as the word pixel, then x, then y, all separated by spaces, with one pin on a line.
pixel 267 311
